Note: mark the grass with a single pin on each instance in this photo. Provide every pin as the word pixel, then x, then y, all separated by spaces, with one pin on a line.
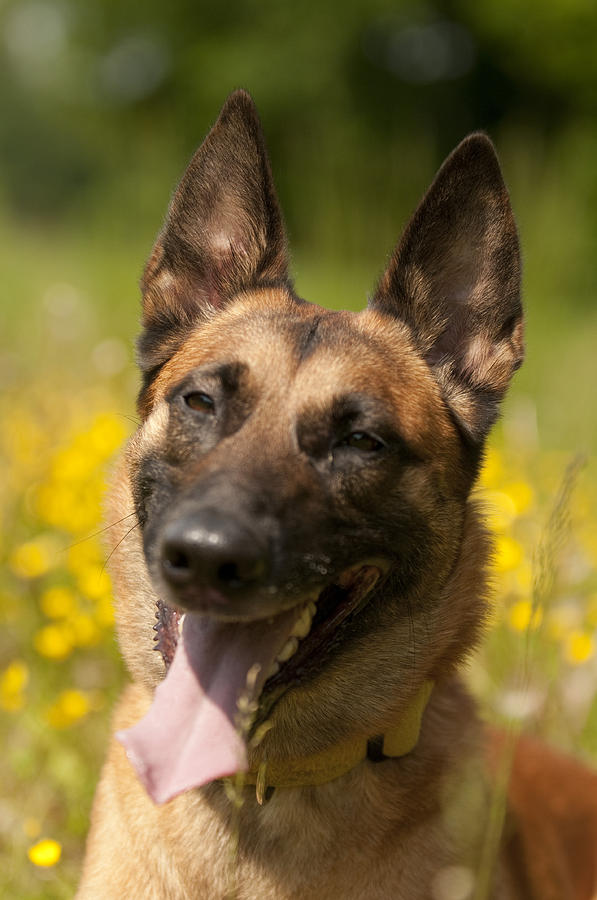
pixel 61 671
pixel 67 404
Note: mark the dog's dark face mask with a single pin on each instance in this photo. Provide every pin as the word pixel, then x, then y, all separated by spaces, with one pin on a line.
pixel 301 476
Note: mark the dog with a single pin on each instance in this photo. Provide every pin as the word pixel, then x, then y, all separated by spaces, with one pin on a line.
pixel 307 561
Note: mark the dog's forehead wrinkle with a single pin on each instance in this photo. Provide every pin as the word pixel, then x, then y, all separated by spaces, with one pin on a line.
pixel 229 374
pixel 270 345
pixel 273 334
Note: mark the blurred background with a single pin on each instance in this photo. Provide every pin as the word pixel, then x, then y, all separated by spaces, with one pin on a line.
pixel 102 104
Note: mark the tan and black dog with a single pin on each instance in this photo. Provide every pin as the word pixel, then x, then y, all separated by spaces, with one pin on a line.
pixel 306 541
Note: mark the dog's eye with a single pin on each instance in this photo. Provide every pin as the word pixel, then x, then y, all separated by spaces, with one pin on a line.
pixel 360 440
pixel 200 402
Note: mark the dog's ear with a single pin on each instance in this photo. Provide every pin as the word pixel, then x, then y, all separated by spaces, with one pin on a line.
pixel 454 278
pixel 223 233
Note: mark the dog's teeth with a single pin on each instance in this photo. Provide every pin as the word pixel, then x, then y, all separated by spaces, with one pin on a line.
pixel 302 626
pixel 180 623
pixel 288 649
pixel 312 607
pixel 273 669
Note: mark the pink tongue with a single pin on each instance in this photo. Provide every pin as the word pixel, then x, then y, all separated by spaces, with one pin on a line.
pixel 190 735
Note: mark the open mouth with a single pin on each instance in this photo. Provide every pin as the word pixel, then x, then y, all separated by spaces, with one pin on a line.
pixel 223 678
pixel 314 634
pixel 318 628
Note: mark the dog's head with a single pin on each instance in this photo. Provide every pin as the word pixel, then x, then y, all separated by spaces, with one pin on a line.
pixel 301 476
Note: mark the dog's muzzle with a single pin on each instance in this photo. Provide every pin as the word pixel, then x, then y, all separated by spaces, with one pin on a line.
pixel 212 563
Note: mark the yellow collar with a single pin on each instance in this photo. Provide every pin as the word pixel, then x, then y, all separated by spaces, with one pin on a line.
pixel 339 759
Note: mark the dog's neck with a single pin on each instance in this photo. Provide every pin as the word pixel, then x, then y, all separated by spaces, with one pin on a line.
pixel 317 769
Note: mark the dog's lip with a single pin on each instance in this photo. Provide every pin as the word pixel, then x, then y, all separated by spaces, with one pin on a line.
pixel 207 601
pixel 356 582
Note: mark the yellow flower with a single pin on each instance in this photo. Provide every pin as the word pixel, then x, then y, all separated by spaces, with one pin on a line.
pixel 106 435
pixel 53 642
pixel 84 555
pixel 46 852
pixel 84 630
pixel 508 553
pixel 104 612
pixel 492 469
pixel 579 647
pixel 70 706
pixel 34 558
pixel 71 504
pixel 73 465
pixel 13 682
pixel 57 602
pixel 93 581
pixel 521 494
pixel 53 503
pixel 522 616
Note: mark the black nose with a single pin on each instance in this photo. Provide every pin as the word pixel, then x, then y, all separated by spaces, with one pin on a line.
pixel 210 549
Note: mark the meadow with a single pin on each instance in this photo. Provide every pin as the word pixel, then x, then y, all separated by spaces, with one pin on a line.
pixel 62 423
pixel 354 145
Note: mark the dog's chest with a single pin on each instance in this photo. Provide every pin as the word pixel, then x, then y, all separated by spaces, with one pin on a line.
pixel 319 845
